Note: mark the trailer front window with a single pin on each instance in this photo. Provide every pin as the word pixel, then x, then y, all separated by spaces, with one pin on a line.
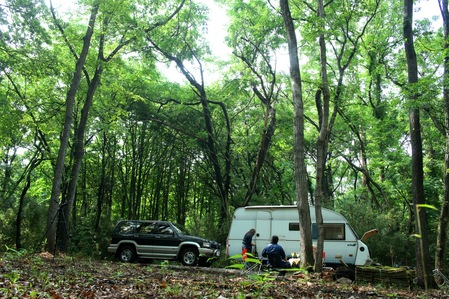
pixel 334 231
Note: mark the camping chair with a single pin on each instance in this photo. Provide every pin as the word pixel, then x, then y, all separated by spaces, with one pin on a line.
pixel 252 264
pixel 275 264
pixel 274 261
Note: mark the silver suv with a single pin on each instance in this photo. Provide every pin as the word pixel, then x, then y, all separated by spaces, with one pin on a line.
pixel 163 240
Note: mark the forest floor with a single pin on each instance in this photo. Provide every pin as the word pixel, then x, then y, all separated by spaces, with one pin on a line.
pixel 45 276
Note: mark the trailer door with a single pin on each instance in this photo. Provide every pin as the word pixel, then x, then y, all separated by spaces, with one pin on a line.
pixel 337 243
pixel 263 230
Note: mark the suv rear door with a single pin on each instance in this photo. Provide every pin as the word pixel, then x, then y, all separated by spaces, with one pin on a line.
pixel 166 241
pixel 144 238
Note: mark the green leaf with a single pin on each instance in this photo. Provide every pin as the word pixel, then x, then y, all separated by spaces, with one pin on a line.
pixel 235 266
pixel 426 206
pixel 235 257
pixel 253 260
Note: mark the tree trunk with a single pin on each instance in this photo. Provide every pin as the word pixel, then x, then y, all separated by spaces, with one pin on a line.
pixel 423 264
pixel 322 142
pixel 305 231
pixel 440 255
pixel 267 96
pixel 63 237
pixel 19 212
pixel 182 187
pixel 54 203
pixel 33 164
pixel 263 150
pixel 213 156
pixel 222 179
pixel 101 193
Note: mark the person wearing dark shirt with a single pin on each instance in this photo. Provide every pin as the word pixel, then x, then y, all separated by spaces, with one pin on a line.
pixel 276 254
pixel 247 242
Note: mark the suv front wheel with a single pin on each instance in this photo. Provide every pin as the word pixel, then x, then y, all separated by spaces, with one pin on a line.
pixel 189 256
pixel 127 254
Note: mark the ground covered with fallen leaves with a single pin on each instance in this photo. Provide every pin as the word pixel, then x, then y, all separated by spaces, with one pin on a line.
pixel 45 276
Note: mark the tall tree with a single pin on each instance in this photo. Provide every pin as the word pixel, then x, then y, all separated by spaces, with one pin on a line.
pixel 191 50
pixel 54 204
pixel 305 229
pixel 254 36
pixel 345 47
pixel 440 254
pixel 423 264
pixel 323 137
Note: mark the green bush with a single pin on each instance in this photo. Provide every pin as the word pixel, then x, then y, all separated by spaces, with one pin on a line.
pixel 392 245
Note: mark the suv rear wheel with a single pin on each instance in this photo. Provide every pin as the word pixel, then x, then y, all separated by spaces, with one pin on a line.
pixel 189 256
pixel 127 254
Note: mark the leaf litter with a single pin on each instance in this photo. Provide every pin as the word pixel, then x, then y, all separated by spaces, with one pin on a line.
pixel 45 276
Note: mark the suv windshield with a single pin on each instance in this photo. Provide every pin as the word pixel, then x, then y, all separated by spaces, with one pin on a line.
pixel 180 230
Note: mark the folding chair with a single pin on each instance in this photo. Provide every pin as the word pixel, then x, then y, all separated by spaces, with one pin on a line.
pixel 252 265
pixel 273 264
pixel 274 260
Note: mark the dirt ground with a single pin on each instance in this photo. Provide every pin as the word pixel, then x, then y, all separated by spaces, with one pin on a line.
pixel 43 276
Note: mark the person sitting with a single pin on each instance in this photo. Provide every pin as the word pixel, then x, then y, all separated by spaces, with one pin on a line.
pixel 275 254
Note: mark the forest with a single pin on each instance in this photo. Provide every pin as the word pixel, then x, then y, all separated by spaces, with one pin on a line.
pixel 122 109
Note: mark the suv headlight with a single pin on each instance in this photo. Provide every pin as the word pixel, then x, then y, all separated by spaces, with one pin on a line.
pixel 206 244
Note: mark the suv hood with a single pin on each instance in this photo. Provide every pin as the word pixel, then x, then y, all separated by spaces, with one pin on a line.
pixel 213 244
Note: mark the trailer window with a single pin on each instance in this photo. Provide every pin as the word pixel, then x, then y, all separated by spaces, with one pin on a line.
pixel 293 226
pixel 332 231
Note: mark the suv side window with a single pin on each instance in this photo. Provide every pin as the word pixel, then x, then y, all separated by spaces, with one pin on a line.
pixel 163 229
pixel 126 227
pixel 147 228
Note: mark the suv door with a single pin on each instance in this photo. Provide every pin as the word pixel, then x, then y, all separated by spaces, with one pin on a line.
pixel 165 241
pixel 144 238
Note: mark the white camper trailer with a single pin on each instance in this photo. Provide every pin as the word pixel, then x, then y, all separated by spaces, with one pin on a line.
pixel 341 243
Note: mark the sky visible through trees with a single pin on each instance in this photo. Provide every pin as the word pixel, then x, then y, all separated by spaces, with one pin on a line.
pixel 218 21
